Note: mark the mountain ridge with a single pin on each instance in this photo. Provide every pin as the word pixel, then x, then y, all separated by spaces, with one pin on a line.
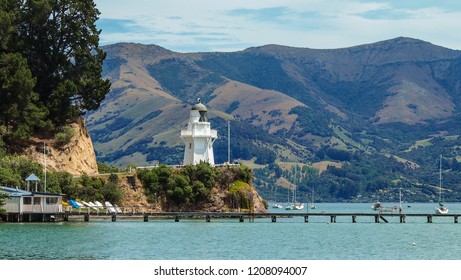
pixel 284 103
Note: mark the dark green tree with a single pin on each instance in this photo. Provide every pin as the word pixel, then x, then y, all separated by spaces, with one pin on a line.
pixel 19 113
pixel 2 202
pixel 60 41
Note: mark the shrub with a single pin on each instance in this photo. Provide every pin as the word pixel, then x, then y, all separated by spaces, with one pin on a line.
pixel 64 135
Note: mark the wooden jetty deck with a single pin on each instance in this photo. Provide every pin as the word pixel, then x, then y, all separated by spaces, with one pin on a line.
pixel 330 217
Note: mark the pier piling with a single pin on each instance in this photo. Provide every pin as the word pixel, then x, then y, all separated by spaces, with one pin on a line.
pixel 333 219
pixel 429 219
pixel 377 219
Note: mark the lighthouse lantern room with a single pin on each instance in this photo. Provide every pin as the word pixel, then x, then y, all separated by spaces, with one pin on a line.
pixel 198 137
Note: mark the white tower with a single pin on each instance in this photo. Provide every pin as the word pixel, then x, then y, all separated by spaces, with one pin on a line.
pixel 198 137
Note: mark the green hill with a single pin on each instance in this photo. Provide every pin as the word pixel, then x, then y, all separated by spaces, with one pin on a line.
pixel 367 106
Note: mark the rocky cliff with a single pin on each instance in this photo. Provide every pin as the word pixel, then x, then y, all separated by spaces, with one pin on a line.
pixel 76 156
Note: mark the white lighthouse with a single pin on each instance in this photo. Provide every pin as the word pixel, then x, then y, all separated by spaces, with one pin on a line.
pixel 198 137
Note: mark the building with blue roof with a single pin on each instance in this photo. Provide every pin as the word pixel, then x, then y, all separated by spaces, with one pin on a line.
pixel 31 206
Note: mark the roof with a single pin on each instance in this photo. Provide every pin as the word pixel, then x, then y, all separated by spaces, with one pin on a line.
pixel 17 192
pixel 32 177
pixel 199 106
pixel 14 192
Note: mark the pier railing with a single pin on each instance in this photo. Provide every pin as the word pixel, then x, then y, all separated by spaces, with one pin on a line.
pixel 147 213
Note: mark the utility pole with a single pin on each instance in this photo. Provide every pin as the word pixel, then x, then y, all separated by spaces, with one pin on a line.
pixel 44 159
pixel 228 141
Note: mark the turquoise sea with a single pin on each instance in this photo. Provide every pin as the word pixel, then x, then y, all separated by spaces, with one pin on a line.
pixel 228 239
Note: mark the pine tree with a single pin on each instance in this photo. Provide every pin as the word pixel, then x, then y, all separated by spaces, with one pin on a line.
pixel 61 43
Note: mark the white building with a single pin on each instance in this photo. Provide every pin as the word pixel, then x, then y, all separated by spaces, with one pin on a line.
pixel 198 137
pixel 22 206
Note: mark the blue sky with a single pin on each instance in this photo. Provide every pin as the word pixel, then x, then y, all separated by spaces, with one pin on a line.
pixel 231 25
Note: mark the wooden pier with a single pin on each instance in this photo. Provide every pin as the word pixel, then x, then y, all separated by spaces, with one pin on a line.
pixel 241 217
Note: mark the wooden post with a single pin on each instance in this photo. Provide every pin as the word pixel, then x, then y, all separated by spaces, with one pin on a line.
pixel 377 219
pixel 429 219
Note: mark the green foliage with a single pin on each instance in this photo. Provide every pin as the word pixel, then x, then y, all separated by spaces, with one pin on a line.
pixel 3 196
pixel 64 136
pixel 14 170
pixel 192 184
pixel 104 168
pixel 312 121
pixel 19 111
pixel 51 72
pixel 60 182
pixel 241 195
pixel 95 189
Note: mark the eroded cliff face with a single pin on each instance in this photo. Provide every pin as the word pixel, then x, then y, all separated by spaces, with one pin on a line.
pixel 76 157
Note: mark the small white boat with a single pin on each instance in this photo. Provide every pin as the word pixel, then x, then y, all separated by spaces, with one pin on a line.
pixel 118 209
pixel 277 205
pixel 442 210
pixel 99 205
pixel 81 205
pixel 313 203
pixel 298 206
pixel 110 207
pixel 92 205
pixel 378 207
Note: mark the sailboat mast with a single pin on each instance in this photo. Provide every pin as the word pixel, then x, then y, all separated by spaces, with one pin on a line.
pixel 440 179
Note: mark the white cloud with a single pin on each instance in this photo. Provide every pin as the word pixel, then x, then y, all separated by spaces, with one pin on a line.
pixel 211 25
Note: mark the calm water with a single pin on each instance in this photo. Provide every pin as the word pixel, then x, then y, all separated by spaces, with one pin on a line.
pixel 288 238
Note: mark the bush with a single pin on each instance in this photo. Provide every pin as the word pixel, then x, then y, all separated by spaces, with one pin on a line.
pixel 64 136
pixel 3 196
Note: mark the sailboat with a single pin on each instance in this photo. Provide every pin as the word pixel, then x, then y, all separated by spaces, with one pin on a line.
pixel 296 205
pixel 313 202
pixel 288 206
pixel 276 204
pixel 441 209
